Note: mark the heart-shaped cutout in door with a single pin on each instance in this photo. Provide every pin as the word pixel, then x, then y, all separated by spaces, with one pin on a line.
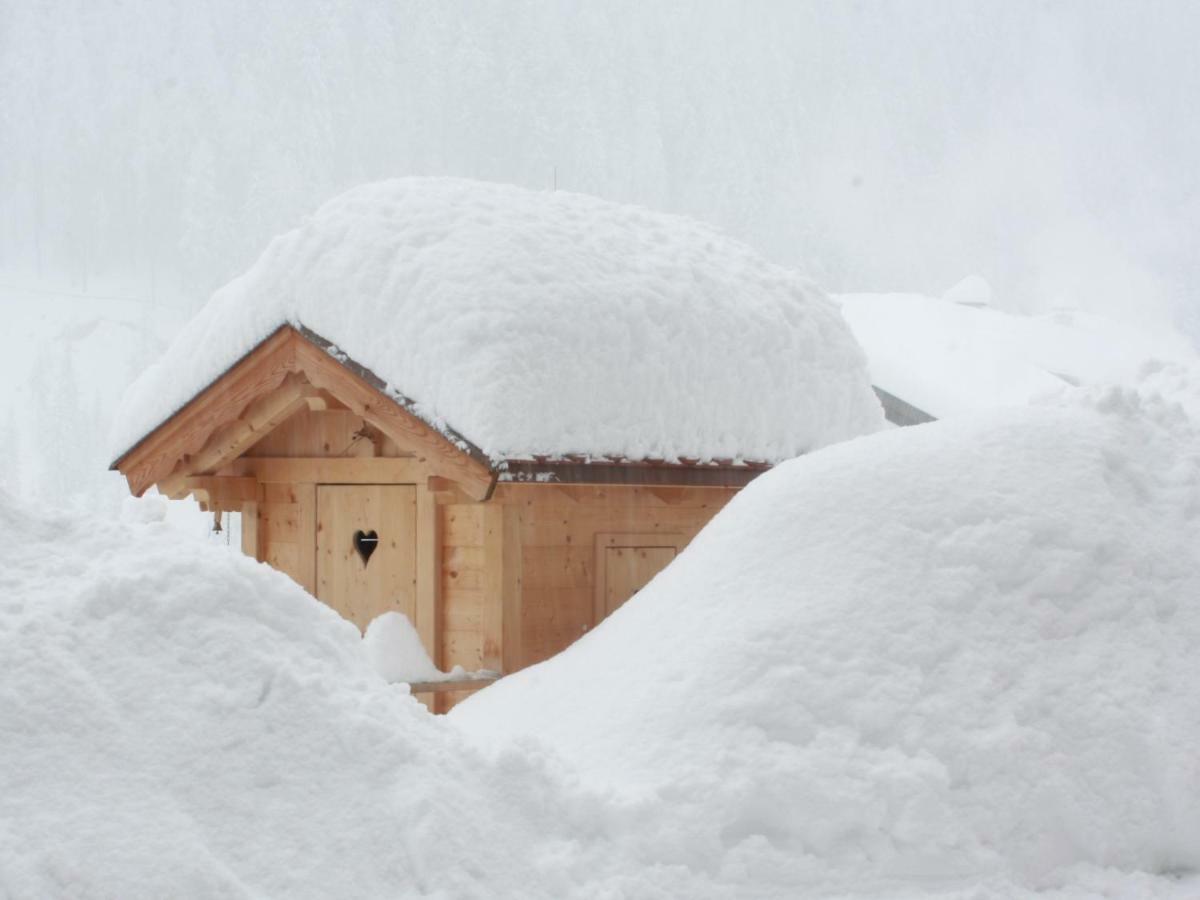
pixel 365 543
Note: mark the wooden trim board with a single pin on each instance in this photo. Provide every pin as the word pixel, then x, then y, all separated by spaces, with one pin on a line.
pixel 440 687
pixel 340 470
pixel 629 473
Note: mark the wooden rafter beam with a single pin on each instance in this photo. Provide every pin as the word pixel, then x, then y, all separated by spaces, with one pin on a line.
pixel 259 372
pixel 231 440
pixel 216 493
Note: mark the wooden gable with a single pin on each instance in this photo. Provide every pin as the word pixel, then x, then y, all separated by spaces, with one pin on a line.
pixel 291 373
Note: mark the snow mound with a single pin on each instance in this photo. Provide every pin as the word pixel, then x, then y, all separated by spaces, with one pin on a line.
pixel 542 323
pixel 396 654
pixel 941 662
pixel 179 721
pixel 961 650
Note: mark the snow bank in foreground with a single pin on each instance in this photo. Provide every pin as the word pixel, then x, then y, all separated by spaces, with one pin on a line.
pixel 537 322
pixel 939 652
pixel 178 721
pixel 951 661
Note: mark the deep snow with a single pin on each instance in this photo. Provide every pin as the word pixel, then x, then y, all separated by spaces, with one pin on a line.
pixel 177 720
pixel 961 648
pixel 539 322
pixel 955 660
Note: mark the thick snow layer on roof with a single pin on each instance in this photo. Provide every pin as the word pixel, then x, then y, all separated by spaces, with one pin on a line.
pixel 948 355
pixel 542 323
pixel 945 651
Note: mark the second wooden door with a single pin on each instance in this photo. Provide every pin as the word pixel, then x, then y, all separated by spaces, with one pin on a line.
pixel 629 569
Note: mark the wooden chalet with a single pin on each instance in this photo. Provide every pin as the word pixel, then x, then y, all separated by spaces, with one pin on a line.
pixel 340 484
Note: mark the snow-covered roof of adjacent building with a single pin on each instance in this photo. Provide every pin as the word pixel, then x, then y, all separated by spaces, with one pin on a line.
pixel 956 353
pixel 541 323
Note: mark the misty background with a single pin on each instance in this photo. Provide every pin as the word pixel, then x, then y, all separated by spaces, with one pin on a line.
pixel 148 152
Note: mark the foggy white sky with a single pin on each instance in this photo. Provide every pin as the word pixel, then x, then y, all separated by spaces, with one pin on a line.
pixel 151 149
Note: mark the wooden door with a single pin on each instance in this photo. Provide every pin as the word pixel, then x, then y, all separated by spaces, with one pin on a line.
pixel 629 569
pixel 367 549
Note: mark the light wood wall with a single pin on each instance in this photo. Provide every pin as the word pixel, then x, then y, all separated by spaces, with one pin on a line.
pixel 287 517
pixel 463 576
pixel 559 526
pixel 327 433
pixel 550 536
pixel 513 580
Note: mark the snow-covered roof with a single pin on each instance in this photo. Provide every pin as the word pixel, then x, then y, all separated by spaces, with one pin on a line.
pixel 536 322
pixel 955 353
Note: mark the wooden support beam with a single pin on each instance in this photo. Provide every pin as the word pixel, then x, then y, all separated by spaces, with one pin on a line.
pixel 438 484
pixel 501 619
pixel 306 519
pixel 512 654
pixel 332 470
pixel 232 439
pixel 492 615
pixel 260 417
pixel 438 687
pixel 218 493
pixel 429 574
pixel 446 491
pixel 250 542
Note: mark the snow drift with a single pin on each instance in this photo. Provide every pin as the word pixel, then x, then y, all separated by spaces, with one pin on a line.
pixel 537 322
pixel 179 721
pixel 955 661
pixel 945 651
